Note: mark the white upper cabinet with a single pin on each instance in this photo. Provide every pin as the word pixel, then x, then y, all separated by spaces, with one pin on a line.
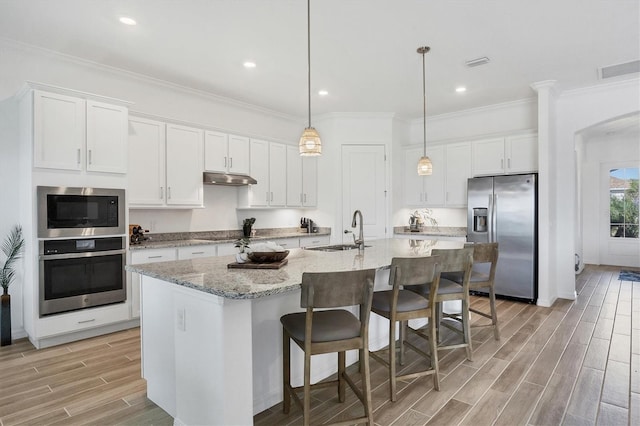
pixel 226 153
pixel 506 155
pixel 424 191
pixel 184 165
pixel 302 179
pixel 457 171
pixel 521 152
pixel 165 164
pixel 277 174
pixel 259 170
pixel 71 133
pixel 447 185
pixel 147 169
pixel 106 137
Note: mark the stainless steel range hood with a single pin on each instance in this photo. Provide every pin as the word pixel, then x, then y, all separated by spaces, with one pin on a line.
pixel 229 179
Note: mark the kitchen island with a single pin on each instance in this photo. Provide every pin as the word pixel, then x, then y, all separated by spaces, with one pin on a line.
pixel 211 336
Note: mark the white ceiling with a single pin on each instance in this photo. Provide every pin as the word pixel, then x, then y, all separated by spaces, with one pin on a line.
pixel 362 51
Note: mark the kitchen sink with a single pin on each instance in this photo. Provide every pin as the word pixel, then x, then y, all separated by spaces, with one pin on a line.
pixel 336 247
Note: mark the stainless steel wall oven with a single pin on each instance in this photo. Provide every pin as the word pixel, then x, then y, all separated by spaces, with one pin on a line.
pixel 81 273
pixel 78 212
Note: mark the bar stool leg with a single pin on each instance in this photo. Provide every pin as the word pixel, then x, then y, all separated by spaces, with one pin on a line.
pixel 307 389
pixel 466 319
pixel 433 348
pixel 392 358
pixel 494 314
pixel 286 382
pixel 341 369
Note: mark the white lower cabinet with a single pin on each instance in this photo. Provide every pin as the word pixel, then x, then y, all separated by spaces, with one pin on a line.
pixel 146 256
pixel 193 252
pixel 315 241
pixel 78 321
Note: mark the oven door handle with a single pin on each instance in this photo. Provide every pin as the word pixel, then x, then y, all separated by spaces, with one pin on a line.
pixel 80 255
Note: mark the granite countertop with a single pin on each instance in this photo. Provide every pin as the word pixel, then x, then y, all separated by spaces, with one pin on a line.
pixel 211 275
pixel 184 239
pixel 444 231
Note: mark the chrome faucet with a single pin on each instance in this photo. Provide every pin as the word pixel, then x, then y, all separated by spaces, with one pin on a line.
pixel 360 240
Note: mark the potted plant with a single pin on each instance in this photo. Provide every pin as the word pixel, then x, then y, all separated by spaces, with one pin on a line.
pixel 243 247
pixel 12 249
pixel 419 217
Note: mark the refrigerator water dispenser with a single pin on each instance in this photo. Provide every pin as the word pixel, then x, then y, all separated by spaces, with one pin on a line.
pixel 479 220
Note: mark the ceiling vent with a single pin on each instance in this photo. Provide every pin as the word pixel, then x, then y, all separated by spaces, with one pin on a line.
pixel 620 69
pixel 478 61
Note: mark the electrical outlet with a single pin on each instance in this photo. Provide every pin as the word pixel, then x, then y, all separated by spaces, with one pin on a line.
pixel 180 319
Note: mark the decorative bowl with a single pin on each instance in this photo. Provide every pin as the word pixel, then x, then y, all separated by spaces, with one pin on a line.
pixel 268 256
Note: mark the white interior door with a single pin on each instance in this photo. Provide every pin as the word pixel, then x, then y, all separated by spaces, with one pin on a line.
pixel 364 189
pixel 615 250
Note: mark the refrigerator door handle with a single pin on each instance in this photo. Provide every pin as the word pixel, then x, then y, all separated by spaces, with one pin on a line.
pixel 494 218
pixel 490 220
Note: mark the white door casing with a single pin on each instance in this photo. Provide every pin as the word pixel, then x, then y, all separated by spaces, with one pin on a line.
pixel 614 251
pixel 364 189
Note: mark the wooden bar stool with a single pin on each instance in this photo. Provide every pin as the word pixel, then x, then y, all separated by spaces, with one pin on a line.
pixel 400 305
pixel 460 261
pixel 332 330
pixel 483 274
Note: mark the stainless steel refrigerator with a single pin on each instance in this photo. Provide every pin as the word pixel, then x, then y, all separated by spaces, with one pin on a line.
pixel 504 209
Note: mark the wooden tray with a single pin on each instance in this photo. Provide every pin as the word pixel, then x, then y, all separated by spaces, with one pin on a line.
pixel 253 265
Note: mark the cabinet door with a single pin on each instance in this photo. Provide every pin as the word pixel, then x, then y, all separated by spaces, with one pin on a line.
pixel 434 184
pixel 106 137
pixel 309 181
pixel 58 131
pixel 522 153
pixel 488 157
pixel 277 174
pixel 146 171
pixel 458 171
pixel 184 165
pixel 238 154
pixel 193 252
pixel 413 183
pixel 259 192
pixel 294 177
pixel 215 151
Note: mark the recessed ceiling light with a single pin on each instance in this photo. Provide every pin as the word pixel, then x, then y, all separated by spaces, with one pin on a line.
pixel 461 89
pixel 249 64
pixel 127 21
pixel 323 92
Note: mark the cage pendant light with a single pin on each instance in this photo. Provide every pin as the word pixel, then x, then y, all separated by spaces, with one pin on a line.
pixel 310 143
pixel 425 168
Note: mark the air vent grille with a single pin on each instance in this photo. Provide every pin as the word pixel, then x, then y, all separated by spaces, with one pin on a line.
pixel 478 61
pixel 620 69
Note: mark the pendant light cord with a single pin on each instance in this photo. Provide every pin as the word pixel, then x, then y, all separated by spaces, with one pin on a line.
pixel 424 107
pixel 309 56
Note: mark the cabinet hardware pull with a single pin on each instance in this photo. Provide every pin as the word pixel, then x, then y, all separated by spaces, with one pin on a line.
pixel 509 163
pixel 78 155
pixel 231 162
pixel 502 163
pixel 197 252
pixel 86 321
pixel 154 257
pixel 90 159
pixel 272 196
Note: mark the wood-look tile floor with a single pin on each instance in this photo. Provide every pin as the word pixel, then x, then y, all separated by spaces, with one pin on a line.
pixel 575 363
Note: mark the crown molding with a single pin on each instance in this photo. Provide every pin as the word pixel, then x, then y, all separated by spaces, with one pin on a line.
pixel 147 79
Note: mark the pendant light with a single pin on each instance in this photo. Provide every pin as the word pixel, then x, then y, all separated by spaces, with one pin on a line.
pixel 310 143
pixel 425 168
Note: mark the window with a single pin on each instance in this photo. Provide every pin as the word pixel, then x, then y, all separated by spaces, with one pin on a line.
pixel 623 202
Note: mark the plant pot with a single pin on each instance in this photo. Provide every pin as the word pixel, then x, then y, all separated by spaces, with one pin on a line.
pixel 246 230
pixel 5 319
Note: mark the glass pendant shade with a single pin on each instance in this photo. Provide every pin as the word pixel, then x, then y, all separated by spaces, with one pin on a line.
pixel 310 144
pixel 425 168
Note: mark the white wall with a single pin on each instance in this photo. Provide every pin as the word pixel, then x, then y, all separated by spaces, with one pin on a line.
pixel 594 203
pixel 578 110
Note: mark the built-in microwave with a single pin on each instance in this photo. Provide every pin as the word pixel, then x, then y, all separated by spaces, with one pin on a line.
pixel 78 212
